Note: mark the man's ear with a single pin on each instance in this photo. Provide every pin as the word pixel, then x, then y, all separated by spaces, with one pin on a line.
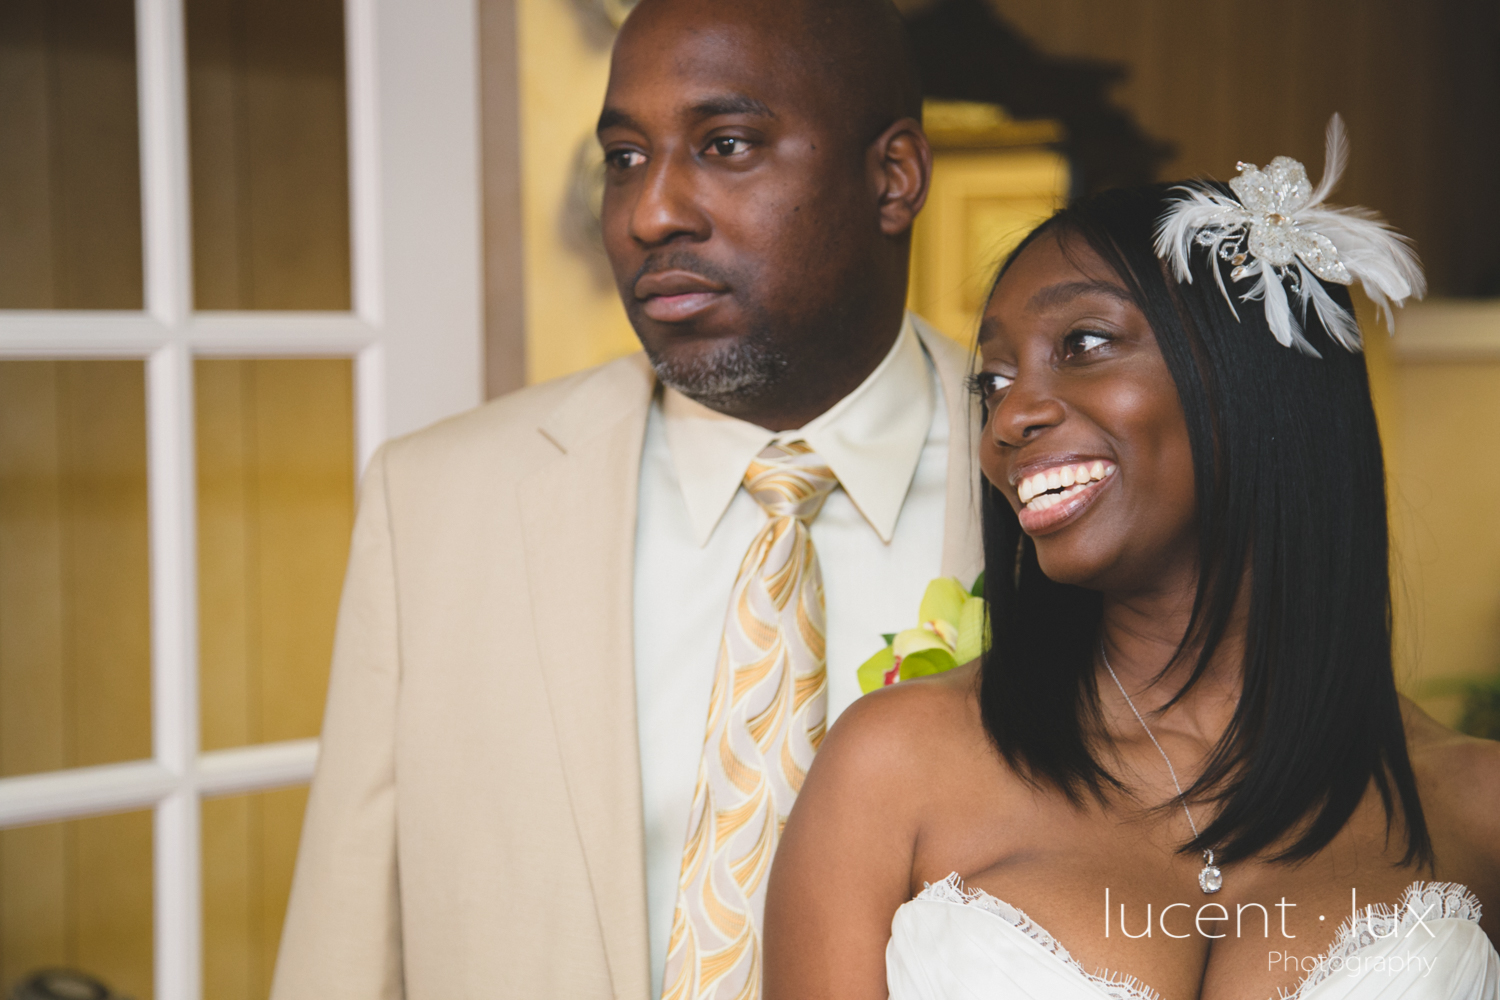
pixel 901 166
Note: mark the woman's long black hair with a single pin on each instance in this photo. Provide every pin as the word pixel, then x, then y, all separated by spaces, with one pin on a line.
pixel 1291 485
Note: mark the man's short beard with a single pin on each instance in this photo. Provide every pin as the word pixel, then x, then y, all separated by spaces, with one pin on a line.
pixel 727 375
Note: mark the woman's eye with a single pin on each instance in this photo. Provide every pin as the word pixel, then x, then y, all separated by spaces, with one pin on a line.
pixel 728 146
pixel 623 159
pixel 1083 341
pixel 987 384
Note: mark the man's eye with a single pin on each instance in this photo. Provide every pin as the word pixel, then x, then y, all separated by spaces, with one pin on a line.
pixel 1082 341
pixel 728 146
pixel 623 159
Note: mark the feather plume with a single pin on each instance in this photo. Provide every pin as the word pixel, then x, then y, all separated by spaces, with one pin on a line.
pixel 1201 208
pixel 1335 159
pixel 1337 320
pixel 1342 245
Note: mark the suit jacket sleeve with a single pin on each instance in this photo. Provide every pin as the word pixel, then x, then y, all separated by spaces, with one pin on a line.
pixel 342 936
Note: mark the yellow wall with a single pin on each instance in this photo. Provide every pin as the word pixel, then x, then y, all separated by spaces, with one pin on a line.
pixel 1445 521
pixel 573 314
pixel 982 203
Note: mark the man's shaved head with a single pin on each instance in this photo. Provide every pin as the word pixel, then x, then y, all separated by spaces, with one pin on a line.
pixel 764 163
pixel 858 52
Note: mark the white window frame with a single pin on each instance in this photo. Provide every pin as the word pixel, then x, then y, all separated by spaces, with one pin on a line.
pixel 415 337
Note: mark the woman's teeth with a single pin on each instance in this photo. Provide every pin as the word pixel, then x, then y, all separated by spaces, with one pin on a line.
pixel 1054 485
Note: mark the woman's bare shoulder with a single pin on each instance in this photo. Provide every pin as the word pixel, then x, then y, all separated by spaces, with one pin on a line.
pixel 1458 778
pixel 928 712
pixel 909 739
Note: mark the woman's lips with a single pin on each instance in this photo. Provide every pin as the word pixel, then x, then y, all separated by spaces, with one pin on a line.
pixel 1048 511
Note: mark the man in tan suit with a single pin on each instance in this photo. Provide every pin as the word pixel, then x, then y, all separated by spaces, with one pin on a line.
pixel 533 631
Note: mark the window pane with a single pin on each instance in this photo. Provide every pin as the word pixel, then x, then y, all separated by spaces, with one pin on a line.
pixel 249 849
pixel 275 509
pixel 270 165
pixel 70 185
pixel 75 650
pixel 77 895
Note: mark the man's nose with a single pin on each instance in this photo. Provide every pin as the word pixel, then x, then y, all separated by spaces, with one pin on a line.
pixel 1028 409
pixel 667 206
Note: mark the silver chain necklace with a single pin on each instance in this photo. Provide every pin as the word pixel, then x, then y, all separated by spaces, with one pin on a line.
pixel 1210 879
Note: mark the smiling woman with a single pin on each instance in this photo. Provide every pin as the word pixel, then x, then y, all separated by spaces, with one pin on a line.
pixel 1189 689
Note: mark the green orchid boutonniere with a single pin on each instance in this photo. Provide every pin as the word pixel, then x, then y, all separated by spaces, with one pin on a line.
pixel 953 629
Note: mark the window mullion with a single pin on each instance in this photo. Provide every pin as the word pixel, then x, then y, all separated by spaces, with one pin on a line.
pixel 161 58
pixel 174 669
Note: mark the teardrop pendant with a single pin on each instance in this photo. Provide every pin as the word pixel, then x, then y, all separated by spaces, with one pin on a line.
pixel 1210 879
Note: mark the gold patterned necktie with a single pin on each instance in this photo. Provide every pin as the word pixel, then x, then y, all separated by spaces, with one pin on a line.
pixel 766 717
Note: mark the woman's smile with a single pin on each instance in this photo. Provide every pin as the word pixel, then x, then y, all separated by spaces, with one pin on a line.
pixel 1059 493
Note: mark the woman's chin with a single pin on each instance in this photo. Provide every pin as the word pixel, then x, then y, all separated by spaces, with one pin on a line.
pixel 1063 564
pixel 1079 557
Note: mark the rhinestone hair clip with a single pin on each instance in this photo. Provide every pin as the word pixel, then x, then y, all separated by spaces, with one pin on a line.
pixel 1278 231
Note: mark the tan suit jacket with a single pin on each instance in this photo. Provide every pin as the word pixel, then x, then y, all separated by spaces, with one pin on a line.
pixel 474 828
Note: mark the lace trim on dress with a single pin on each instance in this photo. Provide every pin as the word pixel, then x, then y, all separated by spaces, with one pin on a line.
pixel 1420 902
pixel 1116 986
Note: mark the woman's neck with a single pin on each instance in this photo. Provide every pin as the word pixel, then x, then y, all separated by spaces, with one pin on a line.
pixel 1141 635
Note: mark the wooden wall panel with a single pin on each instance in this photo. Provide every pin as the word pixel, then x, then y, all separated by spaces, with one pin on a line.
pixel 269 147
pixel 276 456
pixel 74 659
pixel 276 506
pixel 74 602
pixel 70 203
pixel 78 895
pixel 249 850
pixel 1418 84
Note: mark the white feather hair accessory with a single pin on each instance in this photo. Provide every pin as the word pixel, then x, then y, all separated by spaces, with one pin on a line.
pixel 1281 233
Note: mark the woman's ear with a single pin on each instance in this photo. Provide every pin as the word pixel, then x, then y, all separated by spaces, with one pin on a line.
pixel 901 167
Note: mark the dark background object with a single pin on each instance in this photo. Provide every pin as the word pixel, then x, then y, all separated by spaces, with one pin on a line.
pixel 967 52
pixel 62 984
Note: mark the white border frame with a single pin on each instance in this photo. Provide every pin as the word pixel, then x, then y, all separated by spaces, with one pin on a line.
pixel 414 174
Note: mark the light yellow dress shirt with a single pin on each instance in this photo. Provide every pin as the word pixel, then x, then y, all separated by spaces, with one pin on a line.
pixel 879 539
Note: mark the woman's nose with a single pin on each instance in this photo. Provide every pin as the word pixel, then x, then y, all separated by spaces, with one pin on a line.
pixel 1027 410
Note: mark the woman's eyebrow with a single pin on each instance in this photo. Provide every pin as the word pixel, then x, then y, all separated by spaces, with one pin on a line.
pixel 1055 295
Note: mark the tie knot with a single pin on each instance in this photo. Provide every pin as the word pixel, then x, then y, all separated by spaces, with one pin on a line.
pixel 789 480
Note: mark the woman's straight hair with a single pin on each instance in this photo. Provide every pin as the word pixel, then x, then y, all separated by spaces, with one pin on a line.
pixel 1290 486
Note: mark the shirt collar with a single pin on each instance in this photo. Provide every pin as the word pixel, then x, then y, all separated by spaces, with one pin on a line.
pixel 871 439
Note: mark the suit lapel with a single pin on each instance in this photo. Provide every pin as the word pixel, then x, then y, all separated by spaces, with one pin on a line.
pixel 579 517
pixel 963 550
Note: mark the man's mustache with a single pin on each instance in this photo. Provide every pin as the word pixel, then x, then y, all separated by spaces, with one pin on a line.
pixel 685 260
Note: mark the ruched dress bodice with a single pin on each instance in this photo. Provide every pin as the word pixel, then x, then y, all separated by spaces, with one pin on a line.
pixel 950 943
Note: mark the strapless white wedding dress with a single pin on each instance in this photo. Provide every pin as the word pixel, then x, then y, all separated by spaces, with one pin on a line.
pixel 950 943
